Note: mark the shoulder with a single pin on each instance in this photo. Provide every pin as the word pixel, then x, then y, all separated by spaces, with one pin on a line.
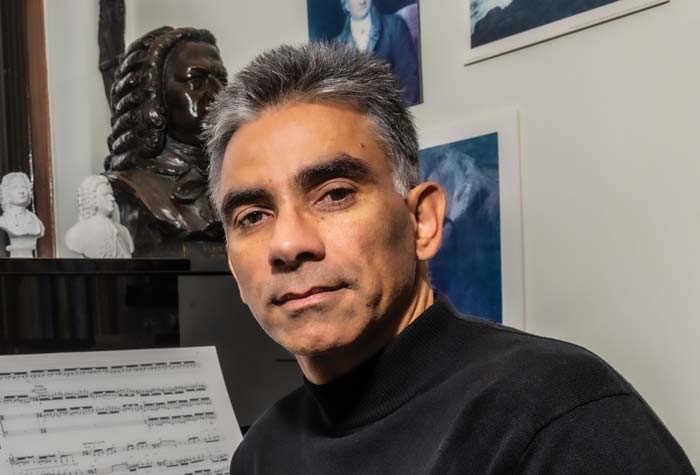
pixel 550 400
pixel 137 181
pixel 394 25
pixel 344 36
pixel 91 237
pixel 148 192
pixel 532 360
pixel 545 377
pixel 281 416
pixel 273 433
pixel 615 434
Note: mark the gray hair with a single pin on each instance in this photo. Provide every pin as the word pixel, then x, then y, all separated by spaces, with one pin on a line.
pixel 316 72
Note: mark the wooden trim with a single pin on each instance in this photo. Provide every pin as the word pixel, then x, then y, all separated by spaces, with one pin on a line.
pixel 40 126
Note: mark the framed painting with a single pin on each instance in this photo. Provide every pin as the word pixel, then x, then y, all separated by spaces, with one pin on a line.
pixel 388 28
pixel 480 263
pixel 500 26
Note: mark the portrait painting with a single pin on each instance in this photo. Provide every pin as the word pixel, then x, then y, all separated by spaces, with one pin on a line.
pixel 479 265
pixel 390 29
pixel 500 26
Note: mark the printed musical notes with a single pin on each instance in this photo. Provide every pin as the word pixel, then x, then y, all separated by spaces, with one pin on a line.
pixel 118 412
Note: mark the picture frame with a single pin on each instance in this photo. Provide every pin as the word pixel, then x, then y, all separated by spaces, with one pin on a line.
pixel 497 27
pixel 394 35
pixel 491 143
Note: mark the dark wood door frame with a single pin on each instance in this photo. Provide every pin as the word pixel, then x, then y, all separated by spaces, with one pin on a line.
pixel 40 126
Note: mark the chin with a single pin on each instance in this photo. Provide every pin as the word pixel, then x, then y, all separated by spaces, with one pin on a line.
pixel 320 344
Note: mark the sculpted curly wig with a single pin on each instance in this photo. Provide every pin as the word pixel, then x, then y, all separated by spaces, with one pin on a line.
pixel 87 195
pixel 138 110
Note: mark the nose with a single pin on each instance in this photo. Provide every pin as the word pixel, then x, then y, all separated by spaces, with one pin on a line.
pixel 296 239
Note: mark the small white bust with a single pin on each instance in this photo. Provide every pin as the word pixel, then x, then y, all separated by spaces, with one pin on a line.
pixel 98 232
pixel 21 225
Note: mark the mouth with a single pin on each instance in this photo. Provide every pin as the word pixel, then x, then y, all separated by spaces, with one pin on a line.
pixel 309 296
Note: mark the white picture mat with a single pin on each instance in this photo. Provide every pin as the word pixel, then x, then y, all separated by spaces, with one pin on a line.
pixel 506 124
pixel 554 29
pixel 171 413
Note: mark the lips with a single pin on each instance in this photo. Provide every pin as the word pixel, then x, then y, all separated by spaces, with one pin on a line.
pixel 294 296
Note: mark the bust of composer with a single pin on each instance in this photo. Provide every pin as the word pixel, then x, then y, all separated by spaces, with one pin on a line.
pixel 98 233
pixel 164 84
pixel 21 225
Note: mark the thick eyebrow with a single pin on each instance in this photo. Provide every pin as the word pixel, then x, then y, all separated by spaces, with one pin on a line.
pixel 340 165
pixel 236 198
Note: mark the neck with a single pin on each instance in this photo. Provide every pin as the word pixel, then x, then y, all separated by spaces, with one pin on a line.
pixel 358 19
pixel 185 151
pixel 15 209
pixel 321 369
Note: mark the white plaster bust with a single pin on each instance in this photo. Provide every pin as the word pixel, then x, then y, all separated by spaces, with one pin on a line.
pixel 98 232
pixel 21 225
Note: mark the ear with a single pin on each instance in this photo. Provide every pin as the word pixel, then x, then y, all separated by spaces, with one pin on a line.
pixel 235 277
pixel 427 204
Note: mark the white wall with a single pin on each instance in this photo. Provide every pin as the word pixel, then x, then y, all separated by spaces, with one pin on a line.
pixel 78 106
pixel 609 164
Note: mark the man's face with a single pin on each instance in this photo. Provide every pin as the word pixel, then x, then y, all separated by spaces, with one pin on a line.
pixel 320 243
pixel 193 74
pixel 105 199
pixel 358 9
pixel 18 193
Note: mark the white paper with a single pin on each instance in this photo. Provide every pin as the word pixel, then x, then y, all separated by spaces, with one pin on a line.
pixel 116 412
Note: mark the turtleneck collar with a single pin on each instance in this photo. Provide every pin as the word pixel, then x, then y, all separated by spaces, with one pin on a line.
pixel 396 374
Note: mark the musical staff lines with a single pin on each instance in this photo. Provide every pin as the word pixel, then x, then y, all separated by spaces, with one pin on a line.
pixel 60 464
pixel 127 392
pixel 96 370
pixel 96 453
pixel 135 412
pixel 145 468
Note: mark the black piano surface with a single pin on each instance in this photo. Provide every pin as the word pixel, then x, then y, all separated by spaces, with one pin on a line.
pixel 64 305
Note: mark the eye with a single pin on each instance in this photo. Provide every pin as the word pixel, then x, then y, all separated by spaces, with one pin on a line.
pixel 338 194
pixel 250 218
pixel 337 197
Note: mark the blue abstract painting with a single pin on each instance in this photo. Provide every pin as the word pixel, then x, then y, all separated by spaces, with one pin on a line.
pixel 493 20
pixel 468 266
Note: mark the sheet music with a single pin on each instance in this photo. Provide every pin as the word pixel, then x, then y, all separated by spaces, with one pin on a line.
pixel 162 411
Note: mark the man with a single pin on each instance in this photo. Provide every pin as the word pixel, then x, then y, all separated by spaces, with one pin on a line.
pixel 314 171
pixel 388 37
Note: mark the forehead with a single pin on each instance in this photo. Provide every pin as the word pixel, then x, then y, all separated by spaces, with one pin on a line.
pixel 192 54
pixel 17 182
pixel 288 138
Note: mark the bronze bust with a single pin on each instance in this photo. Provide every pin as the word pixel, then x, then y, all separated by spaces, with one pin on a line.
pixel 162 88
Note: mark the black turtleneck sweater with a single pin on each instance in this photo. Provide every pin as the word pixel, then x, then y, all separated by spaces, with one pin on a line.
pixel 456 395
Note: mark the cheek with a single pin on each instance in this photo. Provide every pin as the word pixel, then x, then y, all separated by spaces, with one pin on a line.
pixel 249 264
pixel 185 104
pixel 380 242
